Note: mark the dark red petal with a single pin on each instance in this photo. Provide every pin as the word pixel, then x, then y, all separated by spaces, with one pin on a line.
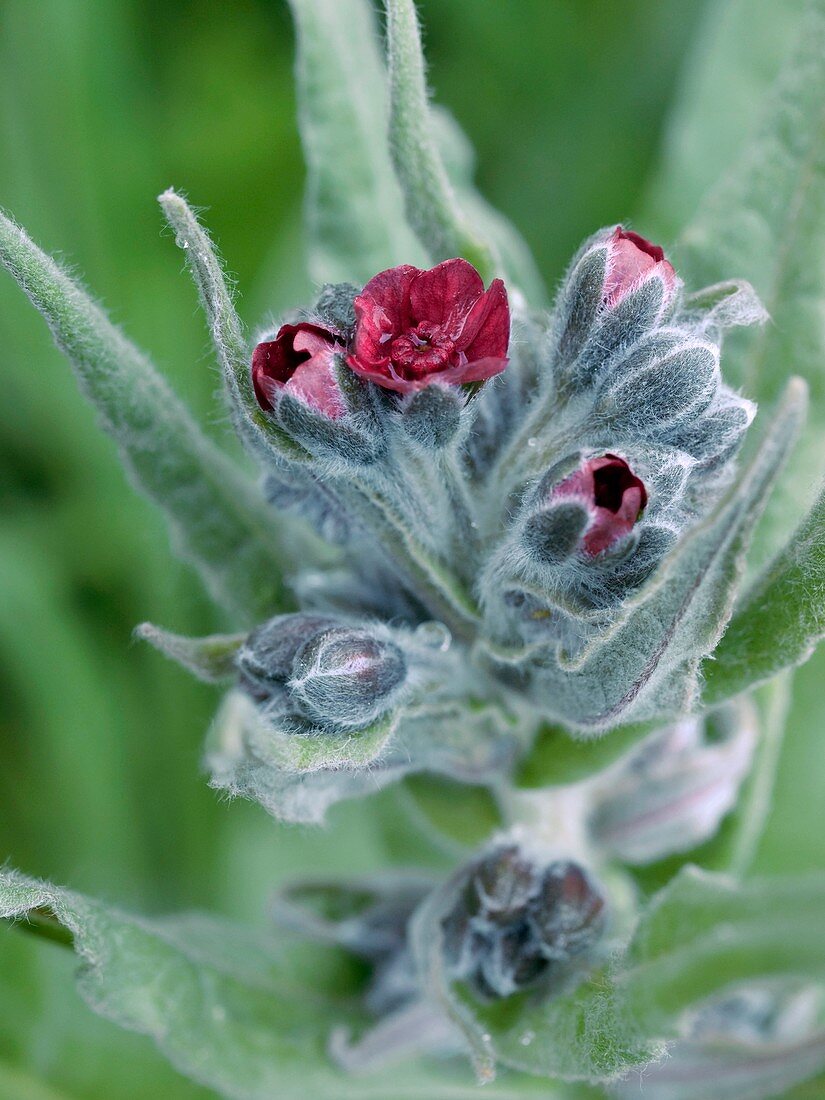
pixel 486 330
pixel 373 332
pixel 478 370
pixel 445 294
pixel 383 375
pixel 631 259
pixel 390 291
pixel 275 361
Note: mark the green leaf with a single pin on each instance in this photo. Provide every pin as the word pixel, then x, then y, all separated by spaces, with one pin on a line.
pixel 765 221
pixel 699 934
pixel 557 759
pixel 354 207
pixel 237 1010
pixel 431 203
pixel 211 659
pixel 781 618
pixel 217 519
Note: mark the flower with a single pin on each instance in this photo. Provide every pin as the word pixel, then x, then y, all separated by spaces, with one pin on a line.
pixel 299 361
pixel 632 259
pixel 613 495
pixel 415 327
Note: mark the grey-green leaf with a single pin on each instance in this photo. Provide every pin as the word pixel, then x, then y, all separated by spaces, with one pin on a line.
pixel 354 206
pixel 218 521
pixel 781 618
pixel 431 203
pixel 211 659
pixel 237 1010
pixel 765 222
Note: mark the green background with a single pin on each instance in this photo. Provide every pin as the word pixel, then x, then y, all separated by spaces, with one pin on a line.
pixel 103 104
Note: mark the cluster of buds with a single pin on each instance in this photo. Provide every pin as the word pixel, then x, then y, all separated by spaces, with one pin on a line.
pixel 518 923
pixel 627 441
pixel 513 512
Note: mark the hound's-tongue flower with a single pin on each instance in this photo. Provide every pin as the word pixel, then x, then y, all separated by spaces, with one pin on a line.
pixel 613 495
pixel 632 258
pixel 299 361
pixel 416 327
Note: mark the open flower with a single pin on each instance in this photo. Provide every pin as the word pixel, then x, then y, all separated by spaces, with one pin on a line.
pixel 299 361
pixel 611 493
pixel 415 327
pixel 632 259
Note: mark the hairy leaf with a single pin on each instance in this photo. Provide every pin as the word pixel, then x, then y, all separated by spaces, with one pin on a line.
pixel 217 519
pixel 765 221
pixel 354 206
pixel 431 203
pixel 781 618
pixel 237 1010
pixel 696 936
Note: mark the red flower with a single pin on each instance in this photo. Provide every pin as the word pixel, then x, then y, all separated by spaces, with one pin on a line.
pixel 632 259
pixel 299 361
pixel 416 327
pixel 614 496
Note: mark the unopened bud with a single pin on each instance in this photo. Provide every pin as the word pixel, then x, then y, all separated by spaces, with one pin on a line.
pixel 432 416
pixel 555 532
pixel 335 305
pixel 346 677
pixel 516 923
pixel 265 659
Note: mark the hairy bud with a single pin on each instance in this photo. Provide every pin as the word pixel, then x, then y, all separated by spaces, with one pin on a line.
pixel 432 416
pixel 346 677
pixel 517 923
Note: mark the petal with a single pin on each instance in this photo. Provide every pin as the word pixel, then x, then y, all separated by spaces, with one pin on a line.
pixel 390 291
pixel 479 370
pixel 445 294
pixel 486 329
pixel 315 383
pixel 275 361
pixel 372 326
pixel 383 375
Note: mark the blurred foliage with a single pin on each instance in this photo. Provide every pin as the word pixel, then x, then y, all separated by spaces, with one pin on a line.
pixel 103 104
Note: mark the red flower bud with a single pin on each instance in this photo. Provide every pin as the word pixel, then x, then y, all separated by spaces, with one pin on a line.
pixel 612 494
pixel 414 327
pixel 299 361
pixel 631 260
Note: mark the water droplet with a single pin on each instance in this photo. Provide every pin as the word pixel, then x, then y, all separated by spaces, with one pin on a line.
pixel 434 635
pixel 218 1013
pixel 474 525
pixel 486 1038
pixel 527 1038
pixel 532 441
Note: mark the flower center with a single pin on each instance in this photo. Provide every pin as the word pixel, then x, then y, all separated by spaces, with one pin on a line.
pixel 422 350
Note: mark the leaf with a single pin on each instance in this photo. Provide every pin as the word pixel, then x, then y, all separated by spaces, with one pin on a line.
pixel 234 1009
pixel 431 204
pixel 217 519
pixel 354 207
pixel 648 666
pixel 211 659
pixel 557 759
pixel 780 619
pixel 696 936
pixel 765 221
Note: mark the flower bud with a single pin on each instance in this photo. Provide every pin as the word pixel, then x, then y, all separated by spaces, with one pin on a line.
pixel 611 496
pixel 266 658
pixel 299 361
pixel 618 288
pixel 552 534
pixel 517 923
pixel 346 677
pixel 567 912
pixel 432 416
pixel 631 260
pixel 335 305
